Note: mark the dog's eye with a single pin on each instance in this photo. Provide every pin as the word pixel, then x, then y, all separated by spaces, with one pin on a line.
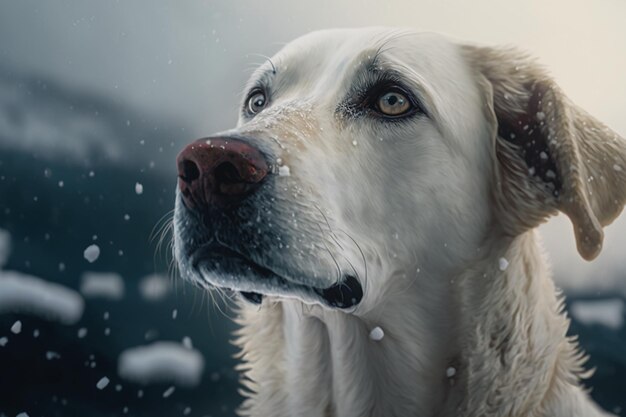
pixel 393 103
pixel 256 102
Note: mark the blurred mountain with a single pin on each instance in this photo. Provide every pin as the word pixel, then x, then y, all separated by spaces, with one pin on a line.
pixel 51 122
pixel 69 165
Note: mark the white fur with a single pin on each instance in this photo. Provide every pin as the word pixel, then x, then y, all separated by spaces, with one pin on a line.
pixel 433 204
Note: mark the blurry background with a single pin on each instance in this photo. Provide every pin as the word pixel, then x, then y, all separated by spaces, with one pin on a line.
pixel 96 99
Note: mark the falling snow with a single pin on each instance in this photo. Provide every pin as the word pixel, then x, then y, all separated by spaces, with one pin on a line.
pixel 103 383
pixel 17 327
pixel 50 355
pixel 503 264
pixel 377 334
pixel 92 253
pixel 168 392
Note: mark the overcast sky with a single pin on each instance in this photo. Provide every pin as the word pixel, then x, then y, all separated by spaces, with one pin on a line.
pixel 189 60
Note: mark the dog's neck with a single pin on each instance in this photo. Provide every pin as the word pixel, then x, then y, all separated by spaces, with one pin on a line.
pixel 490 332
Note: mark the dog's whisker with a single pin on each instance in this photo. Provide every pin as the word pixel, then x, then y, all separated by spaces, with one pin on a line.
pixel 330 253
pixel 167 231
pixel 356 273
pixel 332 234
pixel 362 256
pixel 166 218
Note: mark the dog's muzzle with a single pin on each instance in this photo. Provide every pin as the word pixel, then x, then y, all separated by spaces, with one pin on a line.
pixel 216 176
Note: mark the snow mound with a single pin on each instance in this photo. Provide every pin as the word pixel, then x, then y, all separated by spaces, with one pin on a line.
pixel 154 287
pixel 20 293
pixel 5 247
pixel 103 285
pixel 162 362
pixel 609 313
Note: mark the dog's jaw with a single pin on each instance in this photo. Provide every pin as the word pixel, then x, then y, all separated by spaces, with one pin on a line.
pixel 326 363
pixel 323 363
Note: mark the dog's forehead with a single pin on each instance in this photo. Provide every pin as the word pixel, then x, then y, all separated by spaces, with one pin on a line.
pixel 339 52
pixel 320 69
pixel 324 65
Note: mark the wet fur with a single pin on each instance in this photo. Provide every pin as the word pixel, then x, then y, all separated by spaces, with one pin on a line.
pixel 422 212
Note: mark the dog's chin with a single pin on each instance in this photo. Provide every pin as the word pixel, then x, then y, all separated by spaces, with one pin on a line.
pixel 224 268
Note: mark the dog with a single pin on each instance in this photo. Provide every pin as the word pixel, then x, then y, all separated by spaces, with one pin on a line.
pixel 374 213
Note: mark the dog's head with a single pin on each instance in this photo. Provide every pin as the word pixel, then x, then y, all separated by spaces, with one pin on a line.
pixel 372 156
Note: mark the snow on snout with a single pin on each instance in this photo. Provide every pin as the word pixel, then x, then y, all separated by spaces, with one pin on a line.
pixel 284 171
pixel 20 293
pixel 162 362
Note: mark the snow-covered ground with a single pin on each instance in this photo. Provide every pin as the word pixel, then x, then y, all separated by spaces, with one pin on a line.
pixel 107 285
pixel 162 362
pixel 603 275
pixel 606 312
pixel 21 293
pixel 154 287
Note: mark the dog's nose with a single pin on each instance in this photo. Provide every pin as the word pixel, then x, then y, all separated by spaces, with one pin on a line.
pixel 217 172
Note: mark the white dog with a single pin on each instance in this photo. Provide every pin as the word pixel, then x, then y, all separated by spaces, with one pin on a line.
pixel 374 209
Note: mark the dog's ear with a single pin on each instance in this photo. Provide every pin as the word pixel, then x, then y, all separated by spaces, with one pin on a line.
pixel 549 154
